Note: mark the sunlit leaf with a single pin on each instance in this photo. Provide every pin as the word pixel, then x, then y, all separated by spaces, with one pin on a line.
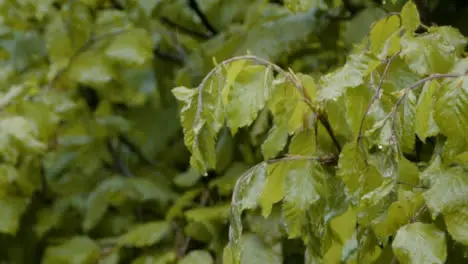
pixel 251 89
pixel 425 125
pixel 420 243
pixel 410 17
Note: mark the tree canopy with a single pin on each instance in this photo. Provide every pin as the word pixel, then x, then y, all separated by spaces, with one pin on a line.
pixel 247 131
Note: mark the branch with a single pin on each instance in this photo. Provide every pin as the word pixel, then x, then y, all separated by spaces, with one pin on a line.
pixel 135 149
pixel 118 162
pixel 167 56
pixel 194 6
pixel 413 87
pixel 185 30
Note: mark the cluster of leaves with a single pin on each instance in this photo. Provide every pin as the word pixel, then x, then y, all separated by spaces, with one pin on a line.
pixel 94 167
pixel 95 163
pixel 364 164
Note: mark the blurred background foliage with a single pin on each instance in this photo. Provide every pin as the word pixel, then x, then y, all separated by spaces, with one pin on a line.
pixel 94 167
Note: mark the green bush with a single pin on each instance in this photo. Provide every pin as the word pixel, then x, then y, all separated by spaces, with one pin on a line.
pixel 315 132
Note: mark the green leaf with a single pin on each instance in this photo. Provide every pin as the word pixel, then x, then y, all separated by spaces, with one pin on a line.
pixel 256 251
pixel 420 243
pixel 371 204
pixel 251 89
pixel 358 177
pixel 384 39
pixel 448 191
pixel 12 210
pixel 275 142
pixel 273 191
pixel 58 43
pixel 425 125
pixel 288 105
pixel 76 250
pixel 406 132
pixel 352 74
pixel 408 172
pixel 300 5
pixel 219 213
pixel 357 28
pixel 303 143
pixel 270 229
pixel 457 223
pixel 357 100
pixel 131 48
pixel 92 69
pixel 410 17
pixel 399 213
pixel 428 53
pixel 447 196
pixel 21 133
pixel 450 106
pixel 226 182
pixel 187 179
pixel 202 117
pixel 287 34
pixel 304 186
pixel 157 258
pixel 146 234
pixel 185 200
pixel 197 257
pixel 252 187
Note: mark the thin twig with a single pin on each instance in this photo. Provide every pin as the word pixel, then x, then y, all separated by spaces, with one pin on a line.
pixel 412 185
pixel 168 56
pixel 185 30
pixel 194 6
pixel 418 213
pixel 413 87
pixel 376 95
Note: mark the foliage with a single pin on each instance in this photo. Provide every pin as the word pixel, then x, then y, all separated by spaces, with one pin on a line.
pixel 315 132
pixel 369 149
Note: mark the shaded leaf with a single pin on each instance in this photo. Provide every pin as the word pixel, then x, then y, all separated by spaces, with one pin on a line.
pixel 197 257
pixel 76 250
pixel 146 234
pixel 131 48
pixel 12 210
